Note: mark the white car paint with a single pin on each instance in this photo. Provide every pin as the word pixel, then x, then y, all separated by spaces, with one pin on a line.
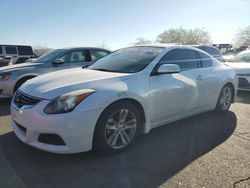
pixel 164 98
pixel 243 73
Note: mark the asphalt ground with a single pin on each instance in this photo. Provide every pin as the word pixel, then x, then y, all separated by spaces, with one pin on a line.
pixel 207 150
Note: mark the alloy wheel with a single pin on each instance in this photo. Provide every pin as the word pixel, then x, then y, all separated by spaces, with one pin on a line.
pixel 226 98
pixel 120 128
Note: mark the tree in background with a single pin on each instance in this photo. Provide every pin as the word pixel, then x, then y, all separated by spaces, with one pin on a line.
pixel 243 37
pixel 40 50
pixel 184 36
pixel 141 41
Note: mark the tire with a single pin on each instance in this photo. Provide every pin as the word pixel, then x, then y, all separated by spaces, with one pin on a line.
pixel 225 99
pixel 117 128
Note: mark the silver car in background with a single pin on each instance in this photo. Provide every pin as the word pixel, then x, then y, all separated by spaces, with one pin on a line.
pixel 241 64
pixel 12 77
pixel 211 50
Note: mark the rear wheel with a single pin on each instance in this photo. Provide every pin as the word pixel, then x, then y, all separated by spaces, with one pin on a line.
pixel 117 128
pixel 225 99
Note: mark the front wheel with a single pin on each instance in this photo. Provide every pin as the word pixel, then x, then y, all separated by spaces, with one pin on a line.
pixel 225 99
pixel 116 128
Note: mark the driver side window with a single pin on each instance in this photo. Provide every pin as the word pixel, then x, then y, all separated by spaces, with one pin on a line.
pixel 185 58
pixel 74 56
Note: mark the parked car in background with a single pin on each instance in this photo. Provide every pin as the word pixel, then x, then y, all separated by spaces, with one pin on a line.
pixel 18 53
pixel 241 64
pixel 12 77
pixel 213 51
pixel 243 57
pixel 130 91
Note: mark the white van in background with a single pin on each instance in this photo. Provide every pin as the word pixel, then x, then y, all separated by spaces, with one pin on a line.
pixel 19 53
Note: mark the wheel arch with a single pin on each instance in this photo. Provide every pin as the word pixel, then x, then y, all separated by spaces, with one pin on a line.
pixel 137 104
pixel 21 79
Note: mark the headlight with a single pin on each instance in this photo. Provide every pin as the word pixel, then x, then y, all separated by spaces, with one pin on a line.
pixel 5 76
pixel 67 102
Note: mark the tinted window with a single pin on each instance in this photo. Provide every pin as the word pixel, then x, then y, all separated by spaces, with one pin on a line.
pixel 210 50
pixel 11 50
pixel 1 50
pixel 25 50
pixel 216 52
pixel 97 54
pixel 21 60
pixel 49 57
pixel 206 60
pixel 185 58
pixel 74 56
pixel 128 60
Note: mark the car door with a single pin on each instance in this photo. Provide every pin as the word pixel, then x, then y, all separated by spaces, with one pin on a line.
pixel 72 59
pixel 210 86
pixel 174 95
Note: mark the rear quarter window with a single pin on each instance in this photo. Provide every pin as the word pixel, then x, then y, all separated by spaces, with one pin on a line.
pixel 25 50
pixel 97 54
pixel 206 60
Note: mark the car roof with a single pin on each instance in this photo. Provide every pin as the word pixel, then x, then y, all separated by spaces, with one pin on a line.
pixel 159 45
pixel 10 45
pixel 168 46
pixel 89 48
pixel 206 46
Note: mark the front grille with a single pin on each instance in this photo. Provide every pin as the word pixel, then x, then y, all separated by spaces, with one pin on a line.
pixel 21 127
pixel 243 83
pixel 52 139
pixel 21 99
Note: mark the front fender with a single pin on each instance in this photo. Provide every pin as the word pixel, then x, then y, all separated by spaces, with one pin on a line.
pixel 107 95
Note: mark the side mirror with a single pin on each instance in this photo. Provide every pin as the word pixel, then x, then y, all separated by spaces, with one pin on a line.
pixel 168 69
pixel 58 61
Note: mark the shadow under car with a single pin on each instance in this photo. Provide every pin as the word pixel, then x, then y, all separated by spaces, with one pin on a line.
pixel 153 159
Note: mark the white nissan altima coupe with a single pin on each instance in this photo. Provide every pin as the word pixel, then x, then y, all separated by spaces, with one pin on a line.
pixel 130 91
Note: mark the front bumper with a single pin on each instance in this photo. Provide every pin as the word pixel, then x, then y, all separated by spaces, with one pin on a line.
pixel 76 128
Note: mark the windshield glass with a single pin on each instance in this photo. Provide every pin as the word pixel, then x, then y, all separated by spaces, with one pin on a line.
pixel 128 60
pixel 241 57
pixel 50 56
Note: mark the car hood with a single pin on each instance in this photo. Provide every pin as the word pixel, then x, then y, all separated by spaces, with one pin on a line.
pixel 18 66
pixel 51 85
pixel 240 68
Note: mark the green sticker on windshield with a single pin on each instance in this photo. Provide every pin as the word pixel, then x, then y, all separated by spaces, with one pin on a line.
pixel 122 93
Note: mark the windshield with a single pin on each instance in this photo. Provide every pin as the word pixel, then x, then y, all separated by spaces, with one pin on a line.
pixel 50 56
pixel 128 60
pixel 241 57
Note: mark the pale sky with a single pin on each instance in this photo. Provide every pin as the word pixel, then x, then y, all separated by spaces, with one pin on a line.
pixel 116 23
